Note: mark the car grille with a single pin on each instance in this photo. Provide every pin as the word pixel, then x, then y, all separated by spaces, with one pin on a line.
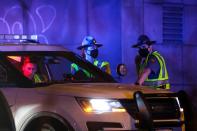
pixel 162 107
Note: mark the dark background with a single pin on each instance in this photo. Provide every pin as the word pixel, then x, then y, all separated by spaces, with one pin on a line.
pixel 116 24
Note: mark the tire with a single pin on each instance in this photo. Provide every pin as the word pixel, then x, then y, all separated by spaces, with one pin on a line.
pixel 47 124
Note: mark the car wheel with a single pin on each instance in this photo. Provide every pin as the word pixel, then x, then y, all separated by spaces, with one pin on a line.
pixel 47 124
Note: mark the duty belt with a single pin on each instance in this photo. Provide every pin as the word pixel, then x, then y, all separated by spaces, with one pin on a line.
pixel 161 84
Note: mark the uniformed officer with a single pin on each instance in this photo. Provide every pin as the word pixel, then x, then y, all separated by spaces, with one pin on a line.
pixel 150 65
pixel 90 52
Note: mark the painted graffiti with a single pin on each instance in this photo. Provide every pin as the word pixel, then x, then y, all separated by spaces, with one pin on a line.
pixel 37 21
pixel 39 10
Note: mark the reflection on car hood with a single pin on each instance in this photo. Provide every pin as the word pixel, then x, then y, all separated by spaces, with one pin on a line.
pixel 96 90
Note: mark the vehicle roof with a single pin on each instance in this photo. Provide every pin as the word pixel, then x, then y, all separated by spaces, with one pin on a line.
pixel 20 47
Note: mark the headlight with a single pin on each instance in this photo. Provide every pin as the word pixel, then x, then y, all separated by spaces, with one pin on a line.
pixel 100 105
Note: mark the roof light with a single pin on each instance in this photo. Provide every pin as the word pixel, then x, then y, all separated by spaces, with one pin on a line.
pixel 1 36
pixel 24 37
pixel 18 37
pixel 34 37
pixel 9 37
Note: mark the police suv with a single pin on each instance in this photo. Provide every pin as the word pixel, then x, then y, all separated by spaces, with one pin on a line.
pixel 63 101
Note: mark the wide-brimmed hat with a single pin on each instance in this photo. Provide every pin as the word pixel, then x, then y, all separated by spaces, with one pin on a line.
pixel 87 42
pixel 143 39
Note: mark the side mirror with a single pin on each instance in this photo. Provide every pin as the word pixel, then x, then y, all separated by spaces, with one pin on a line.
pixel 121 70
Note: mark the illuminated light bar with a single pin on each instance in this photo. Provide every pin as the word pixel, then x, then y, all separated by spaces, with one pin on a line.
pixel 23 37
pixel 19 37
pixel 34 37
pixel 2 37
pixel 16 36
pixel 9 37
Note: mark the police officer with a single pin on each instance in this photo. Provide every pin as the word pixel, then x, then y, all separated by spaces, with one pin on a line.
pixel 150 65
pixel 90 52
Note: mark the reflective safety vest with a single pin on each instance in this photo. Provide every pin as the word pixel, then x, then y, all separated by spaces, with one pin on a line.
pixel 37 78
pixel 102 65
pixel 162 80
pixel 75 68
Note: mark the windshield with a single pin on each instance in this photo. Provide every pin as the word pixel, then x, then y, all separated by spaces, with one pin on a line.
pixel 56 67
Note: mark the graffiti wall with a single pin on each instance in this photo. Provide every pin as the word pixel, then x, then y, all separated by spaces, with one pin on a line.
pixel 50 20
pixel 66 22
pixel 114 23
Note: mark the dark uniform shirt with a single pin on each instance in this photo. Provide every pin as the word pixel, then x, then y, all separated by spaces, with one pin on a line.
pixel 153 64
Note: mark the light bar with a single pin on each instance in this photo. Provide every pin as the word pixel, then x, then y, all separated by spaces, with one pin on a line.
pixel 18 37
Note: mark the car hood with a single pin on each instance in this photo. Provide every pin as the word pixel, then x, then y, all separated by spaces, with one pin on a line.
pixel 97 90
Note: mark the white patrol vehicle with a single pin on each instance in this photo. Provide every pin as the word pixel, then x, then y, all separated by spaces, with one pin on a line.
pixel 63 101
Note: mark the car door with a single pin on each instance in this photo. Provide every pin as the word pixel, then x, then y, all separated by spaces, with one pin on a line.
pixel 8 79
pixel 6 121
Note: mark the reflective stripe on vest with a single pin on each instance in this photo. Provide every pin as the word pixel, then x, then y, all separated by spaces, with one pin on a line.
pixel 163 74
pixel 97 64
pixel 76 68
pixel 102 65
pixel 37 79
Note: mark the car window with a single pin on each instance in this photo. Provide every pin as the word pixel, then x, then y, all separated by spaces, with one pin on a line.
pixel 7 75
pixel 50 69
pixel 62 69
pixel 31 67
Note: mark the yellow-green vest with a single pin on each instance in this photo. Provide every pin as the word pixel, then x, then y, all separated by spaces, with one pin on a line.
pixel 96 63
pixel 103 64
pixel 162 79
pixel 76 68
pixel 37 79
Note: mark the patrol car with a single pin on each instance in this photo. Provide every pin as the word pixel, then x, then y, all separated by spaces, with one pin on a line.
pixel 68 102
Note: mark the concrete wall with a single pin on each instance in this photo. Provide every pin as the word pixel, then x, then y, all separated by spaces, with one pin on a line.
pixel 114 23
pixel 66 22
pixel 149 21
pixel 146 17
